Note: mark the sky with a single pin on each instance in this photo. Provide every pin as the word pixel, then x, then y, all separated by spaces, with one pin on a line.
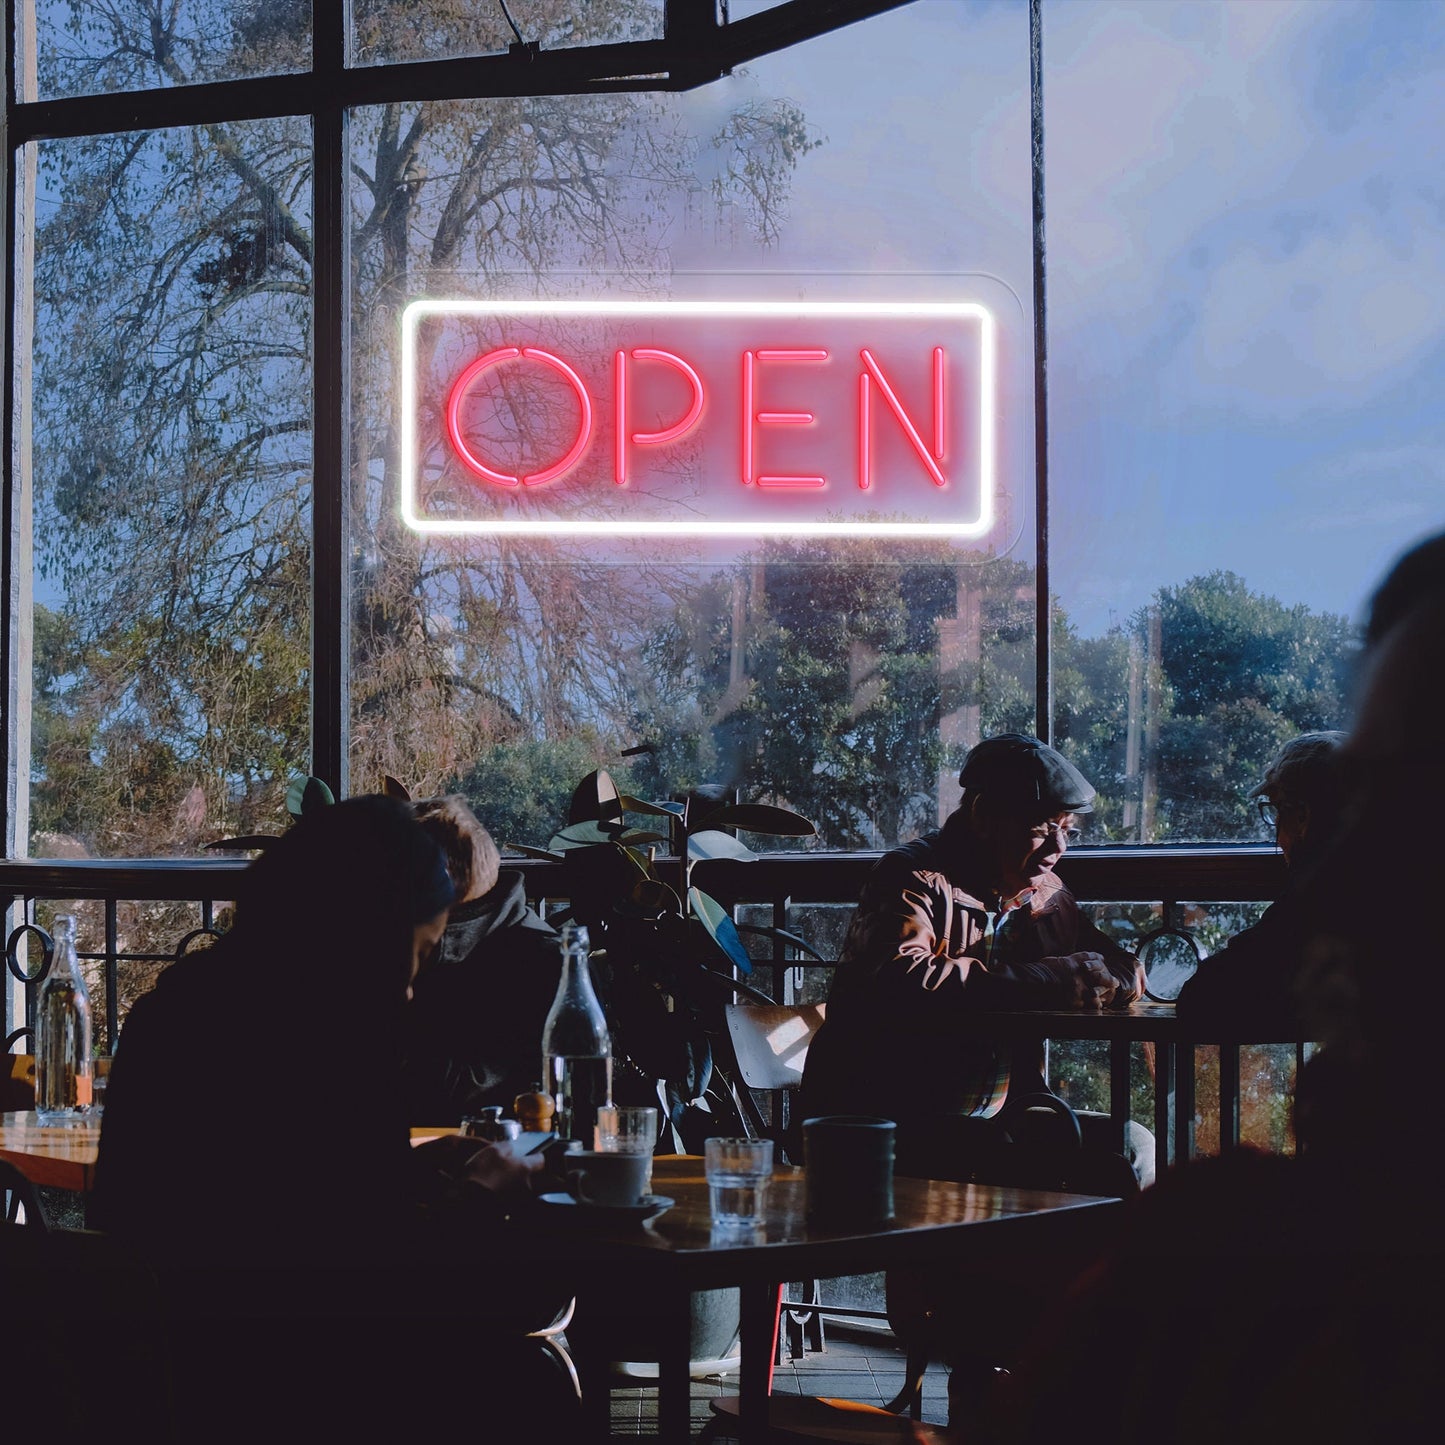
pixel 1246 263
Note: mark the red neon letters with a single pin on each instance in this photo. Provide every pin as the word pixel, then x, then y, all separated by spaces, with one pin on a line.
pixel 758 366
pixel 486 363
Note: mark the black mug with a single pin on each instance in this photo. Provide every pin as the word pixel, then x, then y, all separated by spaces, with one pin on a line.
pixel 848 1159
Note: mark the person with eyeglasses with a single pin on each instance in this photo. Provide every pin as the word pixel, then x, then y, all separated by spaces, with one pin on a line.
pixel 967 919
pixel 1251 984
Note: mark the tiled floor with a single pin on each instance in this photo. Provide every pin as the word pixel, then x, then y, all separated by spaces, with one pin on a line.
pixel 856 1364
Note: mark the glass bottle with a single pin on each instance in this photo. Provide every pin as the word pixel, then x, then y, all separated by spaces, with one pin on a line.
pixel 63 1068
pixel 576 1047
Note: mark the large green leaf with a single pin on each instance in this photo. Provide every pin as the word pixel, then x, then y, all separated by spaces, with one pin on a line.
pixel 720 927
pixel 761 818
pixel 710 844
pixel 650 898
pixel 656 810
pixel 249 840
pixel 306 794
pixel 590 834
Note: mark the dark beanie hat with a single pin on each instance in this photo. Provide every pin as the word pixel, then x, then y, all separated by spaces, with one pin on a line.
pixel 1020 771
pixel 367 855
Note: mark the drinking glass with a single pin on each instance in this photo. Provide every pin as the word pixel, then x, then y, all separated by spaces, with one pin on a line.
pixel 628 1129
pixel 738 1171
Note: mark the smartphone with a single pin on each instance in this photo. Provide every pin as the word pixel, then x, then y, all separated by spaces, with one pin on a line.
pixel 541 1141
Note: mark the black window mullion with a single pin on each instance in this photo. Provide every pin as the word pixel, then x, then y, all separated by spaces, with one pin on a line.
pixel 330 576
pixel 1043 600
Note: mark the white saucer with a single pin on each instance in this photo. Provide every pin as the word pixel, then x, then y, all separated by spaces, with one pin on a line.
pixel 645 1208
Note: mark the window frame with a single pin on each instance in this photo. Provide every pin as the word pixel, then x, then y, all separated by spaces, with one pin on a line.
pixel 699 44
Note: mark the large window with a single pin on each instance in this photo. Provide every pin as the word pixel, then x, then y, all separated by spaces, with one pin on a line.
pixel 1246 327
pixel 219 219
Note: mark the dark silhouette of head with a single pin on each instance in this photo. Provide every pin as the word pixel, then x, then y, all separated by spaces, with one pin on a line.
pixel 345 889
pixel 1305 783
pixel 1417 573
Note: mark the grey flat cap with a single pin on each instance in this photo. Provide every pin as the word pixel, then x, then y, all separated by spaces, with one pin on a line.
pixel 1021 771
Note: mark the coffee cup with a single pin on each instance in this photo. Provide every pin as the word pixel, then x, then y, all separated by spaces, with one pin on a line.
pixel 848 1159
pixel 610 1180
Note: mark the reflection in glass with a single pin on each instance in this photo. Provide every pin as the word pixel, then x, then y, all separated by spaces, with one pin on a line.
pixel 171 462
pixel 389 30
pixel 89 47
pixel 1232 469
pixel 842 679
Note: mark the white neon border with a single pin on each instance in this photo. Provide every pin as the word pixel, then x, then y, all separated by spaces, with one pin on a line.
pixel 763 527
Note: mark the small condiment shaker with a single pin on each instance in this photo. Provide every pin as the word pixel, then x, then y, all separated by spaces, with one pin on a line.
pixel 488 1123
pixel 535 1112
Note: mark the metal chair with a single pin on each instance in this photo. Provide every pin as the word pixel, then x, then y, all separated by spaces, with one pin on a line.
pixel 770 1043
pixel 23 1208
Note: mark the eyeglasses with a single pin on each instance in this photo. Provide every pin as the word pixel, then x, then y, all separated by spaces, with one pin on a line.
pixel 1270 810
pixel 1043 832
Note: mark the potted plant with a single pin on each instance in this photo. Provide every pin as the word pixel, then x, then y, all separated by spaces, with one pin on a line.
pixel 668 956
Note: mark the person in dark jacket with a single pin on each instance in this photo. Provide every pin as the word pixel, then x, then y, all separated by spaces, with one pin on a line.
pixel 474 1028
pixel 1296 1297
pixel 1250 986
pixel 963 920
pixel 314 1265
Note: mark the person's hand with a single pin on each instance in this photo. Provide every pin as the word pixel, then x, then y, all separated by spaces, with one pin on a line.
pixel 501 1169
pixel 1131 989
pixel 496 1167
pixel 1090 983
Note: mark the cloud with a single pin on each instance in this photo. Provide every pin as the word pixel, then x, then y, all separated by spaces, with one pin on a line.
pixel 1238 196
pixel 1337 317
pixel 1394 490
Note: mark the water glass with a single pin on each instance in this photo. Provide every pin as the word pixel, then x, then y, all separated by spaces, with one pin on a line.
pixel 738 1171
pixel 627 1129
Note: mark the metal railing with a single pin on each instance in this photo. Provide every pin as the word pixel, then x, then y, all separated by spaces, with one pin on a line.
pixel 1164 878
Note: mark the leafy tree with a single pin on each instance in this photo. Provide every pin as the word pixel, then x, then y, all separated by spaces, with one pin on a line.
pixel 1228 676
pixel 818 681
pixel 173 415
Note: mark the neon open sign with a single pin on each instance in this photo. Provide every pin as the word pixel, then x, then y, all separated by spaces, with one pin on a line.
pixel 699 418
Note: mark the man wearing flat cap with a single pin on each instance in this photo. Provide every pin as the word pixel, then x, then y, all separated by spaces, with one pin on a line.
pixel 969 918
pixel 1254 983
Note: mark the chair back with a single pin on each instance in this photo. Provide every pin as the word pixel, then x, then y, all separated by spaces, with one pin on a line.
pixel 17 1083
pixel 771 1041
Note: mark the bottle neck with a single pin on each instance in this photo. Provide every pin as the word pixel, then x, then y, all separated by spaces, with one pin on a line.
pixel 577 973
pixel 63 960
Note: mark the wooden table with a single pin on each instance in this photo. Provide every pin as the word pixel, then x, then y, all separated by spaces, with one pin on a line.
pixel 63 1156
pixel 655 1267
pixel 1174 1042
pixel 650 1271
pixel 60 1156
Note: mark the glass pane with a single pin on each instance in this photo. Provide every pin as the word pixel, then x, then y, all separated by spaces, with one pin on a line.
pixel 1245 315
pixel 841 678
pixel 171 459
pixel 390 30
pixel 89 47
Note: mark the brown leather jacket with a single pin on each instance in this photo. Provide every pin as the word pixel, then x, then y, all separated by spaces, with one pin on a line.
pixel 920 956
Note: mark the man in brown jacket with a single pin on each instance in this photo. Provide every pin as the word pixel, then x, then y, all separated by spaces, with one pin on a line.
pixel 966 919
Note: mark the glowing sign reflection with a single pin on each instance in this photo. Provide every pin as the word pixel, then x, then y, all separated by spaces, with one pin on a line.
pixel 635 419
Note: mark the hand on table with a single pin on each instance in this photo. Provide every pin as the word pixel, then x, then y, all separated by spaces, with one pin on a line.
pixel 1088 978
pixel 496 1167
